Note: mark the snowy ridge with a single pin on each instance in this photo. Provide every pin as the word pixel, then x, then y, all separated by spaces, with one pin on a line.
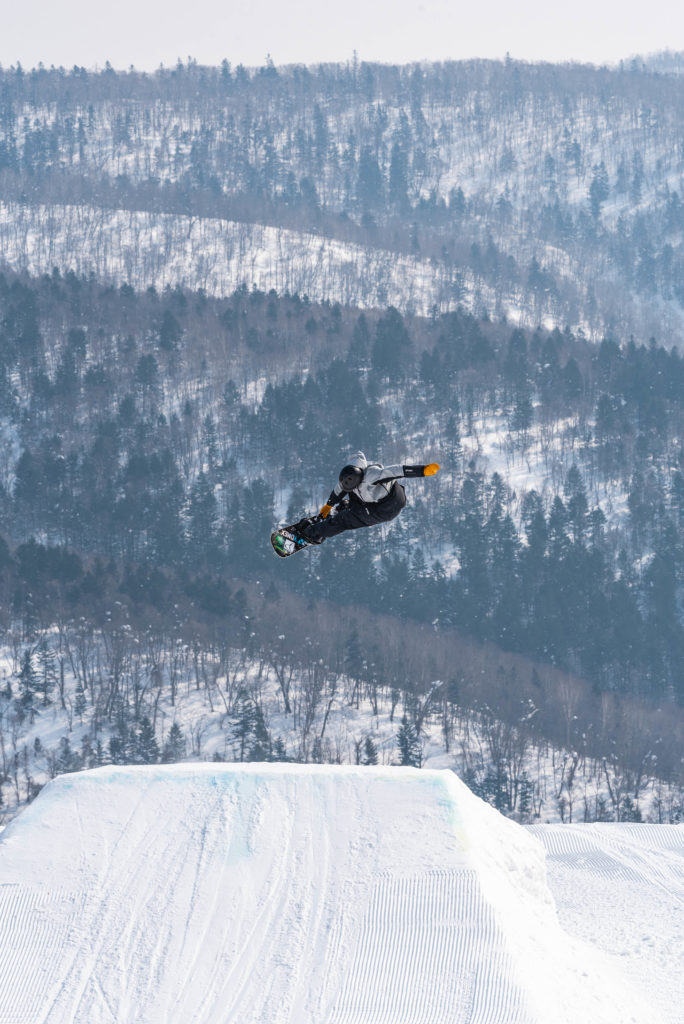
pixel 286 893
pixel 155 250
pixel 147 249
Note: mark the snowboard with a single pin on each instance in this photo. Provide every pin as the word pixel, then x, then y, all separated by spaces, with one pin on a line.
pixel 286 541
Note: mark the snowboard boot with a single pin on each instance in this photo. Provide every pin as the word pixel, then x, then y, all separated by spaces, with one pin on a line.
pixel 301 529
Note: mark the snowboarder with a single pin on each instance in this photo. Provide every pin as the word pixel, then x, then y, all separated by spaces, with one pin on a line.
pixel 366 494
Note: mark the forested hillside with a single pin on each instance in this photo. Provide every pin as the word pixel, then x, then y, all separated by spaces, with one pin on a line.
pixel 176 429
pixel 159 412
pixel 151 441
pixel 546 193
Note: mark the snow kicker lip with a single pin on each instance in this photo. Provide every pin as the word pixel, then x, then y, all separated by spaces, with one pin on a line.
pixel 286 892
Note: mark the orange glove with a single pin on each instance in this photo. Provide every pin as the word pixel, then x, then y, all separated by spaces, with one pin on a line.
pixel 431 469
pixel 325 511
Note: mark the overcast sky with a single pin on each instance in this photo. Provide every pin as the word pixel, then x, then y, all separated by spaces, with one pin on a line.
pixel 146 33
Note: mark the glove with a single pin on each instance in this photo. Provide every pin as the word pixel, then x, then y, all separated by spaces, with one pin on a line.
pixel 325 511
pixel 431 469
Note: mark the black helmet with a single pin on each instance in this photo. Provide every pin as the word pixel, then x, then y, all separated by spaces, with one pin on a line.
pixel 350 477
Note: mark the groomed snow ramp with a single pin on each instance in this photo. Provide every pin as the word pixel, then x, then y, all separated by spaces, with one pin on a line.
pixel 285 894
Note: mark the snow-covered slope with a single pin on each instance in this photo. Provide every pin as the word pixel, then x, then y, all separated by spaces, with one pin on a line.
pixel 621 888
pixel 286 893
pixel 148 249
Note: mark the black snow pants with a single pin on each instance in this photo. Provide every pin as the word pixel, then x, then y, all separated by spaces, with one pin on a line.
pixel 357 513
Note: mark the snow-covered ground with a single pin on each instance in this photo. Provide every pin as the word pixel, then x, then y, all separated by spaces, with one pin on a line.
pixel 150 249
pixel 315 895
pixel 621 889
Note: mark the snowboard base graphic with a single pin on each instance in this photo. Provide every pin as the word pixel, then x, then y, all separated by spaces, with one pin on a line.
pixel 285 543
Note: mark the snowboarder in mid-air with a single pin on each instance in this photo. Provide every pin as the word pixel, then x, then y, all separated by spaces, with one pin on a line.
pixel 366 494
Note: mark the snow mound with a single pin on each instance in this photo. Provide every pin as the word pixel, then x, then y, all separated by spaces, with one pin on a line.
pixel 261 894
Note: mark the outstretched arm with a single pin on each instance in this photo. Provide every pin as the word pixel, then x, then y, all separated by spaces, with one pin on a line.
pixel 397 472
pixel 428 470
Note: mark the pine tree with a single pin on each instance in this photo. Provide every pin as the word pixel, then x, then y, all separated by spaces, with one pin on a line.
pixel 80 703
pixel 174 748
pixel 392 345
pixel 558 538
pixel 357 355
pixel 472 546
pixel 599 190
pixel 48 674
pixel 202 519
pixel 398 180
pixel 115 752
pixel 370 185
pixel 522 415
pixel 67 760
pixel 577 505
pixel 210 441
pixel 453 446
pixel 410 747
pixel 279 751
pixel 28 684
pixel 145 746
pixel 88 756
pixel 243 718
pixel 260 747
pixel 370 752
pixel 170 332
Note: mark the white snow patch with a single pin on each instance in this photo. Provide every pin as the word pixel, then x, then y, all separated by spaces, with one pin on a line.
pixel 153 249
pixel 620 887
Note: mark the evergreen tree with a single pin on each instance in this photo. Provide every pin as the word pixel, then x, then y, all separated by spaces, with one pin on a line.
pixel 577 507
pixel 67 760
pixel 472 547
pixel 145 749
pixel 243 722
pixel 202 520
pixel 398 177
pixel 359 348
pixel 523 414
pixel 46 671
pixel 515 368
pixel 599 190
pixel 28 684
pixel 557 530
pixel 279 752
pixel 174 747
pixel 370 752
pixel 260 747
pixel 170 332
pixel 370 184
pixel 80 702
pixel 117 748
pixel 573 383
pixel 392 345
pixel 410 747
